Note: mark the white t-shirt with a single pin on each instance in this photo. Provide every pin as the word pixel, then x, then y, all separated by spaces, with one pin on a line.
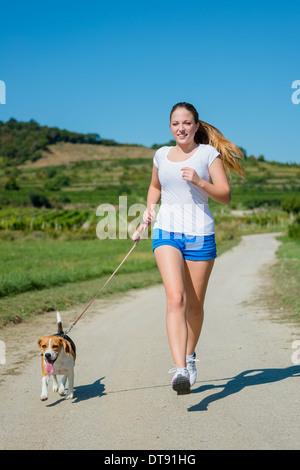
pixel 184 207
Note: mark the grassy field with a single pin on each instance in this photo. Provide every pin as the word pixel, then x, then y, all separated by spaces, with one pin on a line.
pixel 43 274
pixel 50 255
pixel 286 275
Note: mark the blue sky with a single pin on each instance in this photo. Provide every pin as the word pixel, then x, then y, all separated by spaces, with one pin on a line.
pixel 117 68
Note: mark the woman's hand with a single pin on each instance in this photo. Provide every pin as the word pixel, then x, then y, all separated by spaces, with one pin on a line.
pixel 189 174
pixel 219 189
pixel 149 215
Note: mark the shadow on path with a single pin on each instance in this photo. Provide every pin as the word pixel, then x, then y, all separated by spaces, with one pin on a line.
pixel 84 392
pixel 249 378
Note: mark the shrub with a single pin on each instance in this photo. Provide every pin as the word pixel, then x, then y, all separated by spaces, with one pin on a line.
pixel 57 182
pixel 291 204
pixel 11 184
pixel 39 200
pixel 294 229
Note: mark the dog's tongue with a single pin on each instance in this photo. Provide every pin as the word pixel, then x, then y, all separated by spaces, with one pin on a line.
pixel 49 367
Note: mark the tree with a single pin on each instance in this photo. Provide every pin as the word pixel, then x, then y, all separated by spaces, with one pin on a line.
pixel 291 204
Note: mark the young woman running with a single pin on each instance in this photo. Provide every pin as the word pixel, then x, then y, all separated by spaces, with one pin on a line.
pixel 183 235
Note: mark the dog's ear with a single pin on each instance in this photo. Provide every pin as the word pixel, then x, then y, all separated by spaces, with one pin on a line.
pixel 40 342
pixel 66 346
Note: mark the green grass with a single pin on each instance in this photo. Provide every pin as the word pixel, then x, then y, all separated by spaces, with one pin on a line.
pixel 40 273
pixel 286 275
pixel 25 306
pixel 49 274
pixel 31 265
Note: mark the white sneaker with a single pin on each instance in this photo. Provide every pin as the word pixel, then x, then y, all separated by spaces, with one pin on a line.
pixel 181 380
pixel 191 367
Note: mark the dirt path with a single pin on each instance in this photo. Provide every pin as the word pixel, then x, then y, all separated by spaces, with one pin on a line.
pixel 246 395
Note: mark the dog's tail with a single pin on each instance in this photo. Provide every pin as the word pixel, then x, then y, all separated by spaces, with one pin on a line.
pixel 59 324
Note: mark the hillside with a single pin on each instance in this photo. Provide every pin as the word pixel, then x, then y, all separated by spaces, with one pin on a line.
pixel 23 141
pixel 68 169
pixel 66 153
pixel 84 175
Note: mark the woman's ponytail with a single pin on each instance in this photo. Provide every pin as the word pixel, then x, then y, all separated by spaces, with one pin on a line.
pixel 230 153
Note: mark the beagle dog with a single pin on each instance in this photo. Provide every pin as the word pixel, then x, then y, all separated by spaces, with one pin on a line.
pixel 58 358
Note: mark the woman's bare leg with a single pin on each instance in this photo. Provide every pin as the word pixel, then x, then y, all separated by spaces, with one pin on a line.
pixel 197 274
pixel 185 284
pixel 170 263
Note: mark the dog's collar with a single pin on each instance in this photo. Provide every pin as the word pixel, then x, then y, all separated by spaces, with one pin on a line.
pixel 67 338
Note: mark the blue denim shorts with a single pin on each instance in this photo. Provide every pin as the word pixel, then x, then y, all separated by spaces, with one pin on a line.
pixel 195 248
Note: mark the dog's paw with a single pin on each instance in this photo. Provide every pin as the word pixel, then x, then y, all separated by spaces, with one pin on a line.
pixel 69 396
pixel 61 391
pixel 43 397
pixel 55 388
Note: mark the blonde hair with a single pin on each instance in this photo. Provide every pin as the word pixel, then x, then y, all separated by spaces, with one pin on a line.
pixel 208 134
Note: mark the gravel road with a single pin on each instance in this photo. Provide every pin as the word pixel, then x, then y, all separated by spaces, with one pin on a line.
pixel 246 395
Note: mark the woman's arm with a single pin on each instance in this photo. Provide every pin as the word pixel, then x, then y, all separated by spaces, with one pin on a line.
pixel 153 197
pixel 219 189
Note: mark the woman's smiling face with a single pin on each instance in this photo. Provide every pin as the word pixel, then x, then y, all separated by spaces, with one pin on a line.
pixel 183 126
